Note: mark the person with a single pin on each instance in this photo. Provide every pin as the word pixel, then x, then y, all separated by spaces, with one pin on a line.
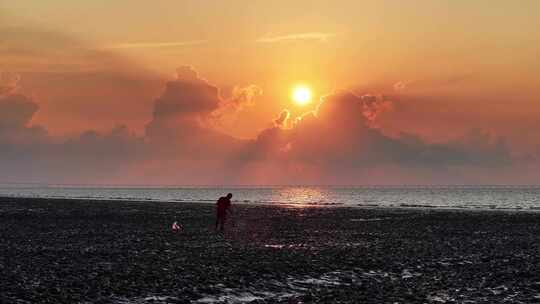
pixel 223 206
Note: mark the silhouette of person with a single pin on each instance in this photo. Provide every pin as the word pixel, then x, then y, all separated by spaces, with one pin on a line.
pixel 223 206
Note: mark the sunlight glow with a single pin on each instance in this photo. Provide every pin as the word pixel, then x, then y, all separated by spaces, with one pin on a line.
pixel 301 95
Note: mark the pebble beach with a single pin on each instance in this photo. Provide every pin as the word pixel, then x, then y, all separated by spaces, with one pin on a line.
pixel 86 251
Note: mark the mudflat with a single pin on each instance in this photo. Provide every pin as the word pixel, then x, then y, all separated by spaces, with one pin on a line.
pixel 82 251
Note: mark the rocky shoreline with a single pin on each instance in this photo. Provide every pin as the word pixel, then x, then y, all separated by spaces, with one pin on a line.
pixel 82 251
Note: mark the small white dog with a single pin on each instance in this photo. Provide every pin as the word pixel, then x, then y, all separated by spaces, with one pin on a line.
pixel 175 227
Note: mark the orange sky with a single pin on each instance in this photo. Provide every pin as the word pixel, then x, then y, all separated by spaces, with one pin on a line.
pixel 444 67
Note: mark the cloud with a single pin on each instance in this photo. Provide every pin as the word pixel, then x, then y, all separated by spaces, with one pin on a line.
pixel 400 85
pixel 184 103
pixel 340 142
pixel 374 105
pixel 79 86
pixel 192 104
pixel 188 94
pixel 148 45
pixel 9 82
pixel 93 157
pixel 317 36
pixel 240 99
pixel 433 83
pixel 244 96
pixel 283 119
pixel 16 112
pixel 30 49
pixel 29 154
pixel 76 112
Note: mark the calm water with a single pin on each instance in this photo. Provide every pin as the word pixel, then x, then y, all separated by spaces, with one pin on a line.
pixel 486 197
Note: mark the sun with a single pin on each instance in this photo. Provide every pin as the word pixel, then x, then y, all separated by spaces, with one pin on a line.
pixel 301 95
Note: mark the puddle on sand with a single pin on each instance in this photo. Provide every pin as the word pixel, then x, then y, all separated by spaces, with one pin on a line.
pixel 374 219
pixel 244 297
pixel 314 247
pixel 146 300
pixel 277 246
pixel 292 287
pixel 440 298
pixel 289 246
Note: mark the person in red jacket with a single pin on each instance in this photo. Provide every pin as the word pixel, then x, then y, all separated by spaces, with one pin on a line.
pixel 223 206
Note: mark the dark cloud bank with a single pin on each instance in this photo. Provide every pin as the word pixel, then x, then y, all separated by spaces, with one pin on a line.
pixel 77 82
pixel 338 143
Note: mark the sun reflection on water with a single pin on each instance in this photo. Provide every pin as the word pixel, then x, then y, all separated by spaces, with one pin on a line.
pixel 301 196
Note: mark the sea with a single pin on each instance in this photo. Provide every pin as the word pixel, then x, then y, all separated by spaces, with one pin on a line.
pixel 446 197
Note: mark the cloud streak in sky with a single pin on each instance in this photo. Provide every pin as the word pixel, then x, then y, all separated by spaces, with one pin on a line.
pixel 149 45
pixel 314 36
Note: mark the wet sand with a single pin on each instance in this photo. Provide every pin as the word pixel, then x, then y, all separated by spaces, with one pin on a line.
pixel 78 251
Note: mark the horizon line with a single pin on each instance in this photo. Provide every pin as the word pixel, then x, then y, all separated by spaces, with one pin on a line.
pixel 91 185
